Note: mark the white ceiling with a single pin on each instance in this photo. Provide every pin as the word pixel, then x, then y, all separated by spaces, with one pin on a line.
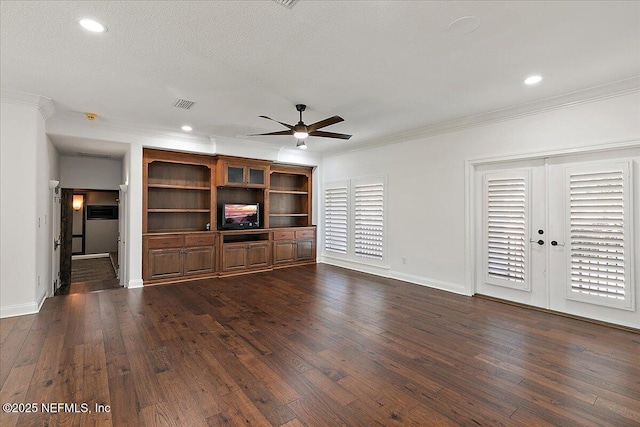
pixel 384 66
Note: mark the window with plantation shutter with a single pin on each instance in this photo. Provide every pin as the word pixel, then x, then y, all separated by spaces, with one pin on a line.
pixel 336 217
pixel 599 236
pixel 369 220
pixel 506 244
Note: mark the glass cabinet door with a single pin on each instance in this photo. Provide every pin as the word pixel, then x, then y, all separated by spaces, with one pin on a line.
pixel 235 174
pixel 256 176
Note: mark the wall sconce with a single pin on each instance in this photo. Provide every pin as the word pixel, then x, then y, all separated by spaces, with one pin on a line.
pixel 77 202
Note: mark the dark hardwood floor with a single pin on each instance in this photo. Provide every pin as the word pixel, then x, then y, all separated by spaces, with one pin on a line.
pixel 313 346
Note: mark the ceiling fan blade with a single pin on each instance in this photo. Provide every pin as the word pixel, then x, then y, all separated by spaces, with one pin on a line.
pixel 283 124
pixel 282 132
pixel 326 122
pixel 329 134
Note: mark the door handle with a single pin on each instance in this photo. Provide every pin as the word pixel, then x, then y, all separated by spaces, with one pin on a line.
pixel 540 242
pixel 554 243
pixel 56 243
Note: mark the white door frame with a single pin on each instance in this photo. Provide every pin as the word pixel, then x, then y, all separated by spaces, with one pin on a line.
pixel 55 237
pixel 122 235
pixel 471 234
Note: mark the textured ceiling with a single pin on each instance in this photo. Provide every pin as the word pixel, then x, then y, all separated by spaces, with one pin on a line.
pixel 384 66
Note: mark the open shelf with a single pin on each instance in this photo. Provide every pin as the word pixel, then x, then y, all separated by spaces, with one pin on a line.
pixel 178 175
pixel 177 221
pixel 286 221
pixel 180 187
pixel 287 192
pixel 176 210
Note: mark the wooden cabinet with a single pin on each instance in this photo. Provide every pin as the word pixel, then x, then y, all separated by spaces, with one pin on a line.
pixel 177 256
pixel 294 246
pixel 289 196
pixel 165 263
pixel 244 251
pixel 198 260
pixel 234 172
pixel 245 256
pixel 179 192
pixel 182 196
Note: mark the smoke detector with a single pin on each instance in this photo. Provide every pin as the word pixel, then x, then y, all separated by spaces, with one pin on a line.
pixel 286 3
pixel 91 116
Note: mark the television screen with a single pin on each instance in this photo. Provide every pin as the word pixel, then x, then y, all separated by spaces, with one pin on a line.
pixel 240 215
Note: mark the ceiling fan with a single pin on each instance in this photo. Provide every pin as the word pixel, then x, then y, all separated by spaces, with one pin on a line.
pixel 301 130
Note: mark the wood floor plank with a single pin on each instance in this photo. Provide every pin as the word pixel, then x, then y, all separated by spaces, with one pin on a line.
pixel 314 346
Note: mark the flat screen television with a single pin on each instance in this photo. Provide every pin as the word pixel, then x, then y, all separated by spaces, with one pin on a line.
pixel 238 216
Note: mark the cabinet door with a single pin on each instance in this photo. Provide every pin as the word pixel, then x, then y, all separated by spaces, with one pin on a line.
pixel 234 257
pixel 283 252
pixel 234 174
pixel 165 263
pixel 305 250
pixel 199 260
pixel 258 255
pixel 256 176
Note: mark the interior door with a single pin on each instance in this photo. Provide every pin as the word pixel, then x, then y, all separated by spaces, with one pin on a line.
pixel 511 209
pixel 593 231
pixel 562 234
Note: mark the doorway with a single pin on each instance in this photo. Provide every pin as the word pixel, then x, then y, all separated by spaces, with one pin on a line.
pixel 558 233
pixel 90 224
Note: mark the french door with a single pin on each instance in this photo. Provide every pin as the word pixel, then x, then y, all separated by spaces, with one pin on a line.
pixel 559 234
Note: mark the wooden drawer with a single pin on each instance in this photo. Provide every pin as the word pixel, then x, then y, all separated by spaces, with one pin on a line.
pixel 305 234
pixel 283 235
pixel 208 239
pixel 165 242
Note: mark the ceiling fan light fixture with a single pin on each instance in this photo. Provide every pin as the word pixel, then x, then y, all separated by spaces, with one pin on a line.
pixel 301 145
pixel 300 135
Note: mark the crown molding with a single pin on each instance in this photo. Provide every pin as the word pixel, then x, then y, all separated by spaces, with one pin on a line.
pixel 567 100
pixel 74 119
pixel 43 104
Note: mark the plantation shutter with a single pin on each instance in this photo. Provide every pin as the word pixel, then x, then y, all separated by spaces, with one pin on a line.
pixel 336 218
pixel 599 232
pixel 369 220
pixel 506 245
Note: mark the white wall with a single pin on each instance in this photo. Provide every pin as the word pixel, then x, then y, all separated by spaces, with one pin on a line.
pixel 101 236
pixel 90 173
pixel 28 161
pixel 427 175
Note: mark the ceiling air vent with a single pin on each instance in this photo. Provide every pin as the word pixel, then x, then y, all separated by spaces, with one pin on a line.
pixel 183 103
pixel 94 155
pixel 286 3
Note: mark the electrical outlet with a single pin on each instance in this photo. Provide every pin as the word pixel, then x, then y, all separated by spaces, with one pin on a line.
pixel 38 281
pixel 404 260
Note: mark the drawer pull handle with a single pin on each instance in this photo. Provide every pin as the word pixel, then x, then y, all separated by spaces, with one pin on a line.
pixel 165 243
pixel 200 240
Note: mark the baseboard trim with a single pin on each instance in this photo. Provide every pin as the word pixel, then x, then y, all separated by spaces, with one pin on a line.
pixel 559 313
pixel 388 273
pixel 135 283
pixel 19 309
pixel 430 283
pixel 356 266
pixel 90 256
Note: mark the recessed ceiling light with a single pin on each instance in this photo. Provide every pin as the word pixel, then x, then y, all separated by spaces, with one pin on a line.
pixel 186 128
pixel 91 25
pixel 533 80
